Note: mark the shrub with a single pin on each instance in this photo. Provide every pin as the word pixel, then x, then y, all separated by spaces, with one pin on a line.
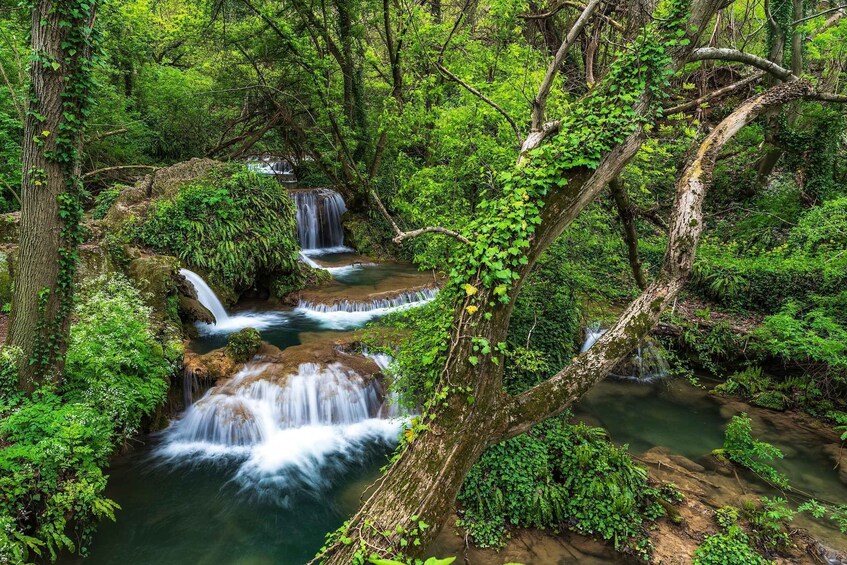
pixel 243 344
pixel 731 547
pixel 57 441
pixel 561 474
pixel 236 226
pixel 10 359
pixel 740 447
pixel 104 200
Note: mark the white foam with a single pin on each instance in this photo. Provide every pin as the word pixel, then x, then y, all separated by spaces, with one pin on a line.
pixel 301 434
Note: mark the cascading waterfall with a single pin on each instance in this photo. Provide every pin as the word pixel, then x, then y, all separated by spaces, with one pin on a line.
pixel 317 420
pixel 351 306
pixel 348 314
pixel 224 323
pixel 646 364
pixel 319 214
pixel 206 296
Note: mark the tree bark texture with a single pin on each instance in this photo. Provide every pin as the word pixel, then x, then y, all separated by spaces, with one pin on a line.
pixel 38 324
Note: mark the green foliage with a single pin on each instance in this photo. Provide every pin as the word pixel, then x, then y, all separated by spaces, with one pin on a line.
pixel 560 474
pixel 546 315
pixel 742 448
pixel 56 442
pixel 730 547
pixel 104 201
pixel 243 344
pixel 236 226
pixel 10 360
pixel 769 521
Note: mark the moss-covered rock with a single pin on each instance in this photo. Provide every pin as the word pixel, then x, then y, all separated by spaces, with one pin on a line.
pixel 367 237
pixel 236 228
pixel 302 277
pixel 243 344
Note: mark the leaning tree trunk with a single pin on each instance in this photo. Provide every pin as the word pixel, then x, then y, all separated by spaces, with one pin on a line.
pixel 49 196
pixel 421 486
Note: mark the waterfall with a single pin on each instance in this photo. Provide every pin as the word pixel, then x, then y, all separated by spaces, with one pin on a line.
pixel 206 296
pixel 592 334
pixel 347 314
pixel 317 417
pixel 646 364
pixel 351 306
pixel 224 323
pixel 319 214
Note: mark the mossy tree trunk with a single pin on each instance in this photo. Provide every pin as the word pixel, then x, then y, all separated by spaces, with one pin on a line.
pixel 44 271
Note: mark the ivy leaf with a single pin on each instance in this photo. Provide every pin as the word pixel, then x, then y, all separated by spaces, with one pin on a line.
pixel 470 289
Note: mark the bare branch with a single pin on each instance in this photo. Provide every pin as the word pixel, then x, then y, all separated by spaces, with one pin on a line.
pixel 714 94
pixel 560 391
pixel 432 229
pixel 402 236
pixel 734 55
pixel 106 134
pixel 556 9
pixel 439 64
pixel 813 16
pixel 540 102
pixel 121 168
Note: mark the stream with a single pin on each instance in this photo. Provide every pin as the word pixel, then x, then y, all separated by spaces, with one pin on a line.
pixel 257 471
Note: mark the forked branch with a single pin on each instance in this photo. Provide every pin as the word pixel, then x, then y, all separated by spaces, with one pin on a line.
pixel 553 396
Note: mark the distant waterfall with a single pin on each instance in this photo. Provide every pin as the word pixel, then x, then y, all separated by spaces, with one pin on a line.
pixel 206 296
pixel 592 334
pixel 645 364
pixel 319 214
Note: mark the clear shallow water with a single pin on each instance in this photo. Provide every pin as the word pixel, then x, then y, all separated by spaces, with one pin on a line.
pixel 674 415
pixel 198 515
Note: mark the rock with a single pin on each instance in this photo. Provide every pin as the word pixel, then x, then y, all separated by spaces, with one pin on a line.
pixel 190 310
pixel 135 200
pixel 155 276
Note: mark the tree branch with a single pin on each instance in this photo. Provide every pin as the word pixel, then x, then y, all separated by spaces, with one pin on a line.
pixel 553 396
pixel 540 102
pixel 556 9
pixel 402 236
pixel 630 234
pixel 439 64
pixel 734 55
pixel 714 94
pixel 121 168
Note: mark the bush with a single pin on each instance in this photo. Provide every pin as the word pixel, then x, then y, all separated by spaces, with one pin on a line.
pixel 236 226
pixel 104 200
pixel 741 447
pixel 561 474
pixel 728 548
pixel 243 344
pixel 57 441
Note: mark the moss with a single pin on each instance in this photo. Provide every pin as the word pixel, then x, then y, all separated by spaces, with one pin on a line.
pixel 367 237
pixel 303 276
pixel 243 345
pixel 771 399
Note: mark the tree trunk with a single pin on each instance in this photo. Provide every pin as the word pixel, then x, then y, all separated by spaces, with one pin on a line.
pixel 423 482
pixel 630 235
pixel 43 279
